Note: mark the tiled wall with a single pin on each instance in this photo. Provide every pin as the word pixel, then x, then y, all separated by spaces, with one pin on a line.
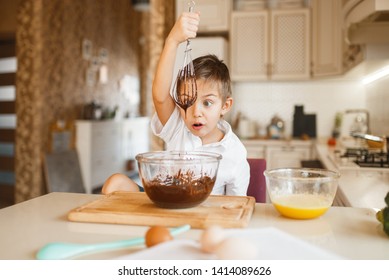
pixel 260 101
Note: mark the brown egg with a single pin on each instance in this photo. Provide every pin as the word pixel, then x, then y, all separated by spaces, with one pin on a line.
pixel 156 235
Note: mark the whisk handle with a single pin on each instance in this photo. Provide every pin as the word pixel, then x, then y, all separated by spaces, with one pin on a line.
pixel 191 5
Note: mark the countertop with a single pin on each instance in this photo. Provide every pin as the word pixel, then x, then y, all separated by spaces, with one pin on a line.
pixel 351 233
pixel 277 142
pixel 358 187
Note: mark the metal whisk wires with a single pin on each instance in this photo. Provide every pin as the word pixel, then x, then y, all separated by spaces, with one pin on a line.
pixel 185 87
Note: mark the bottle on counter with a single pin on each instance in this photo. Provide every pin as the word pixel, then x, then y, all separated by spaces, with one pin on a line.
pixel 298 121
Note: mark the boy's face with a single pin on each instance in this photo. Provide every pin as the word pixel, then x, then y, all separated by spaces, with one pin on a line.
pixel 202 117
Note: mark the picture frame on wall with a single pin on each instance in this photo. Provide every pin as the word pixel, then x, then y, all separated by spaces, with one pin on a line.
pixel 62 136
pixel 90 76
pixel 87 46
pixel 103 55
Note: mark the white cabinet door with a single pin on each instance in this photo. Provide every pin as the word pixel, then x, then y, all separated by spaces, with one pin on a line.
pixel 201 46
pixel 214 14
pixel 249 46
pixel 254 149
pixel 326 38
pixel 286 156
pixel 290 48
pixel 270 45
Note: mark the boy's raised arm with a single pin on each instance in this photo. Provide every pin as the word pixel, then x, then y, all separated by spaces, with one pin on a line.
pixel 185 27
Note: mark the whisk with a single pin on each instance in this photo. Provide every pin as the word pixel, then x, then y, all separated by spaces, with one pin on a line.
pixel 185 87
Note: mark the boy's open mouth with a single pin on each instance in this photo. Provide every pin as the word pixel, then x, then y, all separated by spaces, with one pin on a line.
pixel 197 125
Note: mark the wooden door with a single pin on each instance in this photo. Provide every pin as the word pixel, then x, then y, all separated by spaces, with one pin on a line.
pixel 7 121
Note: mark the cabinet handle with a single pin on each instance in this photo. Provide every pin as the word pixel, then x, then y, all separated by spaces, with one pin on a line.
pixel 269 69
pixel 287 148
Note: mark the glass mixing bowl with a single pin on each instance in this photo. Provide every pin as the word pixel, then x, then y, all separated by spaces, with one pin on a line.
pixel 301 193
pixel 178 179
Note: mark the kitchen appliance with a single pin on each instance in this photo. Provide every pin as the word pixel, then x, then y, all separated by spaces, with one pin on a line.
pixel 275 129
pixel 92 111
pixel 368 158
pixel 354 121
pixel 362 158
pixel 366 11
pixel 303 124
pixel 366 22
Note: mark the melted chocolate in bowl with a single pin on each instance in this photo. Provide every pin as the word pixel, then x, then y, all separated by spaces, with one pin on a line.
pixel 178 179
pixel 179 191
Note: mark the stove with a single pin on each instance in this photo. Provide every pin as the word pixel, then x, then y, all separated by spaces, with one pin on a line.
pixel 364 157
pixel 361 159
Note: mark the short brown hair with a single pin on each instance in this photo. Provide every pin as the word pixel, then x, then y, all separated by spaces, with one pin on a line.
pixel 211 68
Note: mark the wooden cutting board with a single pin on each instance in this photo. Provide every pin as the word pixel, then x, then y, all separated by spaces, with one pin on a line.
pixel 137 209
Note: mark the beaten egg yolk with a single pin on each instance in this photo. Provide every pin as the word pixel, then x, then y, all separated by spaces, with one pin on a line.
pixel 302 206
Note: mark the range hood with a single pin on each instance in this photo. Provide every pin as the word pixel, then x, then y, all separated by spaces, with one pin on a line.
pixel 366 24
pixel 367 21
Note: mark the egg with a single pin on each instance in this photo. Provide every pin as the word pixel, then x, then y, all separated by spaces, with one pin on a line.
pixel 156 235
pixel 211 238
pixel 236 248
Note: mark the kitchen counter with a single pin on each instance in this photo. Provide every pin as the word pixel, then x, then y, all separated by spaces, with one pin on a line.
pixel 351 233
pixel 277 142
pixel 358 187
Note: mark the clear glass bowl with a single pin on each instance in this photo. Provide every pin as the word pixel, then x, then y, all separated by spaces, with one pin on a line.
pixel 178 179
pixel 301 193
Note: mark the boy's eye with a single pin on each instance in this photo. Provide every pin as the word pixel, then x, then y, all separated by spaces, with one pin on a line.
pixel 207 103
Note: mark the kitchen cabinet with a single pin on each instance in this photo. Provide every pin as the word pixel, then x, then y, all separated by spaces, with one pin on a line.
pixel 249 46
pixel 280 153
pixel 105 147
pixel 327 39
pixel 255 149
pixel 286 156
pixel 215 14
pixel 270 44
pixel 216 45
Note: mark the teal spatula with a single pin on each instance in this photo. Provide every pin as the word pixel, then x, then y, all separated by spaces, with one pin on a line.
pixel 60 251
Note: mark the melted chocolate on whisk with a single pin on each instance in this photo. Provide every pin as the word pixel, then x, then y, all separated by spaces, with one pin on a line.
pixel 186 89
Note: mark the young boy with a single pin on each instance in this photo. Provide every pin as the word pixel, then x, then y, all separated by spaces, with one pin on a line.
pixel 201 127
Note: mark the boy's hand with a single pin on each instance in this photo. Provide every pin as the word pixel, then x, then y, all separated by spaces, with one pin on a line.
pixel 185 27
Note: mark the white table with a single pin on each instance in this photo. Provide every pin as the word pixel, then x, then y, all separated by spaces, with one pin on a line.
pixel 353 233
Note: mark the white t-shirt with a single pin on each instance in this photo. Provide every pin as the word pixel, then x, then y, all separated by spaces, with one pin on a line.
pixel 234 171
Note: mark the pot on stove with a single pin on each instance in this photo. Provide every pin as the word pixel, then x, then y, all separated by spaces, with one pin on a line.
pixel 371 140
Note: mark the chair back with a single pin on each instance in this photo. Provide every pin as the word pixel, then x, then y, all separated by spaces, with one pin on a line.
pixel 257 184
